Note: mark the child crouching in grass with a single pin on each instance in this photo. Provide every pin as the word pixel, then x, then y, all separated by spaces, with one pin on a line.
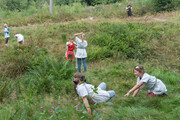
pixel 155 86
pixel 87 92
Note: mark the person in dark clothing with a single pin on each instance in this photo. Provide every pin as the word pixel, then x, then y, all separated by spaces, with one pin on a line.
pixel 129 10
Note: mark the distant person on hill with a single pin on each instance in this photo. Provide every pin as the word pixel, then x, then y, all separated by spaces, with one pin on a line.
pixel 70 49
pixel 88 92
pixel 155 86
pixel 81 51
pixel 20 38
pixel 129 10
pixel 6 34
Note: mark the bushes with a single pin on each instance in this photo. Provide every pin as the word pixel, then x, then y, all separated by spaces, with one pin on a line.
pixel 99 53
pixel 17 60
pixel 128 40
pixel 49 75
pixel 163 5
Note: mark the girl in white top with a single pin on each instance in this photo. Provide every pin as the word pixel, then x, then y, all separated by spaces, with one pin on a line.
pixel 87 91
pixel 81 50
pixel 154 85
pixel 20 38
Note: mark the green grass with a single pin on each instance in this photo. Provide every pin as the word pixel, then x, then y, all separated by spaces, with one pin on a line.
pixel 37 74
pixel 121 80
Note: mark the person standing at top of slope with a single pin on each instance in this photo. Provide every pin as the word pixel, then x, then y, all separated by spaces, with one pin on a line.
pixel 129 10
pixel 155 86
pixel 81 50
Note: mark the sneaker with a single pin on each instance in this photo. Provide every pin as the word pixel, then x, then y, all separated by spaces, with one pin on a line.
pixel 165 94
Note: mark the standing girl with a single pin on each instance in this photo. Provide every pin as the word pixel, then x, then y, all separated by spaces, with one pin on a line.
pixel 6 34
pixel 70 49
pixel 155 86
pixel 81 51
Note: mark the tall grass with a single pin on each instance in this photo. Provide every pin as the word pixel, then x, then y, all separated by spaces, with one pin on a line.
pixel 36 74
pixel 118 76
pixel 75 11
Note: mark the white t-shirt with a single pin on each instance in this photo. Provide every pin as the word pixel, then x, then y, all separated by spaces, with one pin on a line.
pixel 20 37
pixel 151 84
pixel 81 51
pixel 85 90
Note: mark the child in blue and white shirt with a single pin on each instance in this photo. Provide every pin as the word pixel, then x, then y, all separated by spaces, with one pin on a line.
pixel 6 34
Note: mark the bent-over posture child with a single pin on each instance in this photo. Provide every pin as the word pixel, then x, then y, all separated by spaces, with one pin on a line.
pixel 20 38
pixel 87 92
pixel 155 86
pixel 70 49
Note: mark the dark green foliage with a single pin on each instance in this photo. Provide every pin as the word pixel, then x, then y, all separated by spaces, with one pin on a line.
pixel 49 75
pixel 64 2
pixel 18 59
pixel 163 5
pixel 19 5
pixel 96 2
pixel 128 40
pixel 99 53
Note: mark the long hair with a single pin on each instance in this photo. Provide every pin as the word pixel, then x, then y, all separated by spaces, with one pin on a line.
pixel 78 77
pixel 139 68
pixel 83 35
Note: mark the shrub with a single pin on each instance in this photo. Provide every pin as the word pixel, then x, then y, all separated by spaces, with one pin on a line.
pixel 99 53
pixel 17 60
pixel 128 40
pixel 163 5
pixel 49 75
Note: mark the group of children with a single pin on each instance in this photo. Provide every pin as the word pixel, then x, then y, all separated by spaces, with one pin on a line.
pixel 88 91
pixel 81 45
pixel 20 37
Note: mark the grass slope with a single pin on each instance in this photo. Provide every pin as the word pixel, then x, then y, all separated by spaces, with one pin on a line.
pixel 45 78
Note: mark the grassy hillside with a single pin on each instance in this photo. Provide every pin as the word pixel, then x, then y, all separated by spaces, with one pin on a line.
pixel 36 80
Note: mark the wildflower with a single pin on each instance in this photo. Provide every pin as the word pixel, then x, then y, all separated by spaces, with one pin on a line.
pixel 100 119
pixel 41 107
pixel 76 99
pixel 50 110
pixel 59 103
pixel 77 108
pixel 53 107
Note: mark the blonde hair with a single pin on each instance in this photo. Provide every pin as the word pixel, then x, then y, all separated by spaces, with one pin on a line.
pixel 139 68
pixel 84 37
pixel 5 25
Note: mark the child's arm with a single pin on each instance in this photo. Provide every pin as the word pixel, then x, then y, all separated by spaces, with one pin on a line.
pixel 86 103
pixel 75 44
pixel 136 92
pixel 68 43
pixel 75 35
pixel 134 88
